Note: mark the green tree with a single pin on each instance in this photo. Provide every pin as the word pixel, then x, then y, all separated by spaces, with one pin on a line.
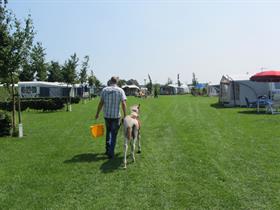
pixel 91 80
pixel 94 82
pixel 178 80
pixel 38 64
pixel 132 82
pixel 26 73
pixel 54 72
pixel 69 73
pixel 121 82
pixel 149 86
pixel 169 81
pixel 15 44
pixel 83 73
pixel 97 83
pixel 194 80
pixel 156 90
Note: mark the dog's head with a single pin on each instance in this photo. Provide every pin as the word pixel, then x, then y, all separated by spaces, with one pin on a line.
pixel 135 110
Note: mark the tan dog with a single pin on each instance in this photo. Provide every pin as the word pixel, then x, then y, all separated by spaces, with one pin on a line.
pixel 131 126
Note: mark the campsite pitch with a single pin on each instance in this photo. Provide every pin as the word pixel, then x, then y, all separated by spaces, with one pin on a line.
pixel 195 155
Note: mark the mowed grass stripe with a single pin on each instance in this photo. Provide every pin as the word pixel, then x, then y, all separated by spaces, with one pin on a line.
pixel 195 156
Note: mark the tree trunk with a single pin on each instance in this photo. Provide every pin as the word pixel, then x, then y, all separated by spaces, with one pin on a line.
pixel 67 102
pixel 70 106
pixel 14 110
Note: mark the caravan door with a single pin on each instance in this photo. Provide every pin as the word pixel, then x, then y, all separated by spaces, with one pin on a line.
pixel 225 93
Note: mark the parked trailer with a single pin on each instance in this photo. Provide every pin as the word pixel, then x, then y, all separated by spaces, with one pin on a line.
pixel 51 89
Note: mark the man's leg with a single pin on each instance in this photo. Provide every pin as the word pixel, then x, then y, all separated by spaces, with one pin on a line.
pixel 108 136
pixel 115 124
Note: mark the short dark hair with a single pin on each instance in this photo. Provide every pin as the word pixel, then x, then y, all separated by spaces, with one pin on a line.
pixel 114 80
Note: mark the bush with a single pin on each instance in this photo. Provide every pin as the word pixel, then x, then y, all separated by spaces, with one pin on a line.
pixel 75 100
pixel 46 104
pixel 5 124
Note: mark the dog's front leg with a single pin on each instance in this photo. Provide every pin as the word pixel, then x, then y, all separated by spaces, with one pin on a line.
pixel 125 151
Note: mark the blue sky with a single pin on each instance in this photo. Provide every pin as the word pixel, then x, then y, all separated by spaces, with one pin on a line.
pixel 132 39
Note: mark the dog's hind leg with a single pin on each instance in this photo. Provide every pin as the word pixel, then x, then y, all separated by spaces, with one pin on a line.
pixel 127 137
pixel 133 149
pixel 138 136
pixel 133 142
pixel 139 142
pixel 125 151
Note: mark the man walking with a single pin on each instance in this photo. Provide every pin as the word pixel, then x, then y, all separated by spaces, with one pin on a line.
pixel 111 98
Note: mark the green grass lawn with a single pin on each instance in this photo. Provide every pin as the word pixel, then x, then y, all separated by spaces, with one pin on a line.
pixel 195 156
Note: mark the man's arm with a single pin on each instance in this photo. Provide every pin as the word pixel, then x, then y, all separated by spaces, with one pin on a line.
pixel 100 105
pixel 124 108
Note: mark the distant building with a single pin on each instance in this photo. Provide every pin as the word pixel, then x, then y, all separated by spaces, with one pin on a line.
pixel 172 89
pixel 131 90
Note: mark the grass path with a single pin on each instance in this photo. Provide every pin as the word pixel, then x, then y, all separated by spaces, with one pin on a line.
pixel 195 156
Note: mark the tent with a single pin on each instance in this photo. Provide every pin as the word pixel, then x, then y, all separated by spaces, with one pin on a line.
pixel 168 90
pixel 234 90
pixel 183 89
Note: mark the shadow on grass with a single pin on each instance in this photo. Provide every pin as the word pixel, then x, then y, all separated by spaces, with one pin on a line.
pixel 217 106
pixel 87 157
pixel 112 164
pixel 252 112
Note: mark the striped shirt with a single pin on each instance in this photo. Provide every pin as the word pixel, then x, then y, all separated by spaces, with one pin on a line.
pixel 112 96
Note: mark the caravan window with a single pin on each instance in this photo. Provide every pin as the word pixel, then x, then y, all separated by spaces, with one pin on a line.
pixel 277 85
pixel 28 90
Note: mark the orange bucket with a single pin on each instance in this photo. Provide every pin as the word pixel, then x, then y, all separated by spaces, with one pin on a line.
pixel 97 130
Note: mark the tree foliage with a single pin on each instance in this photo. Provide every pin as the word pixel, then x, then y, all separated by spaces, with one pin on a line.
pixel 194 80
pixel 178 80
pixel 38 65
pixel 26 73
pixel 169 81
pixel 93 81
pixel 69 70
pixel 83 72
pixel 121 82
pixel 150 85
pixel 132 82
pixel 15 45
pixel 54 72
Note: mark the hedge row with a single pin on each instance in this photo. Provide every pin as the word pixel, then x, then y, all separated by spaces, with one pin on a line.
pixel 5 124
pixel 45 104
